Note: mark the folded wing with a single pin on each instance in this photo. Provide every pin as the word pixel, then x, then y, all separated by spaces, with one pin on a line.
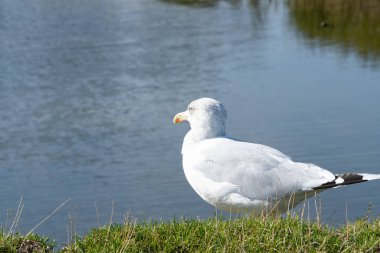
pixel 257 171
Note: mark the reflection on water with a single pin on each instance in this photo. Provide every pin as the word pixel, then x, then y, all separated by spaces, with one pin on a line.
pixel 192 2
pixel 252 3
pixel 350 24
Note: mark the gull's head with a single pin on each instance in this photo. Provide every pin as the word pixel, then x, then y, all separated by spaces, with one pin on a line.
pixel 204 114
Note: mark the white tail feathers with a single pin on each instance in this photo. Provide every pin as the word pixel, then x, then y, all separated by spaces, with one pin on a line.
pixel 370 176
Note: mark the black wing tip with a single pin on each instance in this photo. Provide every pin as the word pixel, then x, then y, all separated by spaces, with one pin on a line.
pixel 348 178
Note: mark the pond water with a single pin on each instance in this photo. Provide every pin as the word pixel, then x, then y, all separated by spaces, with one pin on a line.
pixel 88 90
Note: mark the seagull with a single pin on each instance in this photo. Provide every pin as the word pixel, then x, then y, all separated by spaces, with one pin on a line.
pixel 239 176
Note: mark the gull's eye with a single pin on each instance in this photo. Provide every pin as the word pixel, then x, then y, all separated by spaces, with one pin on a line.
pixel 191 109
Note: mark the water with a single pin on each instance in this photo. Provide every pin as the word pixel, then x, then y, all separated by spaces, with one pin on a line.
pixel 88 90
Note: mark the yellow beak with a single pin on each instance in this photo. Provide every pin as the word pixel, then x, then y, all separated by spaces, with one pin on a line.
pixel 180 117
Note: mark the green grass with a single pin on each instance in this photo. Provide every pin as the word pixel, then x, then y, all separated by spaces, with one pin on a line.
pixel 263 234
pixel 29 243
pixel 266 234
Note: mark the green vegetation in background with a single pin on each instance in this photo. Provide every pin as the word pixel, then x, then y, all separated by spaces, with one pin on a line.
pixel 262 234
pixel 351 24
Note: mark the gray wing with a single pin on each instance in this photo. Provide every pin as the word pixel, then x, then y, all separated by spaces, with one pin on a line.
pixel 258 171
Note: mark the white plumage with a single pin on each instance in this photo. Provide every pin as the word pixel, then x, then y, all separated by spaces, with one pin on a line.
pixel 236 176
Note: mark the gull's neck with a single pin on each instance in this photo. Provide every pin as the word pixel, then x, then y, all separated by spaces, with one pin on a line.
pixel 202 130
pixel 196 135
pixel 206 130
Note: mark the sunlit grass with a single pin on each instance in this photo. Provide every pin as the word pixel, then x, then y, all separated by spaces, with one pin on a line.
pixel 264 234
pixel 245 234
pixel 268 232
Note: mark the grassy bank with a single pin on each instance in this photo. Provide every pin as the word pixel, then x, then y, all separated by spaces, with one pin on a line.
pixel 265 234
pixel 29 243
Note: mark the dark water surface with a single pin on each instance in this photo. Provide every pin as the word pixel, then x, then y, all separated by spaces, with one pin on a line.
pixel 88 90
